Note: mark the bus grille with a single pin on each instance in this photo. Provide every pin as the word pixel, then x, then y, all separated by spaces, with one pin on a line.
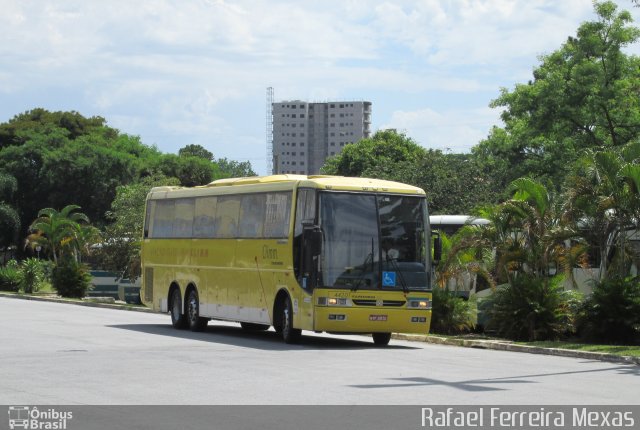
pixel 148 284
pixel 392 303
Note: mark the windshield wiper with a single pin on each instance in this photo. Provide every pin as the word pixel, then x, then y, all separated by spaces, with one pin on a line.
pixel 364 268
pixel 395 265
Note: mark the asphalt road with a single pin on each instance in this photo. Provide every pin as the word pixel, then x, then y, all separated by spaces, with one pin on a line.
pixel 60 354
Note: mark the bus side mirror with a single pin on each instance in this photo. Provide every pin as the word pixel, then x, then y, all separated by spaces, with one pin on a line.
pixel 437 248
pixel 312 237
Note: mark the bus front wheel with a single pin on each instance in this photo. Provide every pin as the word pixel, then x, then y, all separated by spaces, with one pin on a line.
pixel 381 338
pixel 178 318
pixel 196 322
pixel 289 334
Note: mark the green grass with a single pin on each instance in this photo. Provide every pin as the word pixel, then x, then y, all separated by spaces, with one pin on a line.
pixel 622 350
pixel 46 288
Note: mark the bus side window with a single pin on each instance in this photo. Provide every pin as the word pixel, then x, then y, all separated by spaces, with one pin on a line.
pixel 204 220
pixel 277 215
pixel 163 219
pixel 252 212
pixel 227 213
pixel 183 221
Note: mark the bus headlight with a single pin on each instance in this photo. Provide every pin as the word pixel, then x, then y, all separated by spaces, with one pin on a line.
pixel 333 301
pixel 419 304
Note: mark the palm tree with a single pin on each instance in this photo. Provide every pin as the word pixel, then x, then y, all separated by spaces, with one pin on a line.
pixel 526 234
pixel 59 232
pixel 604 198
pixel 545 231
pixel 87 236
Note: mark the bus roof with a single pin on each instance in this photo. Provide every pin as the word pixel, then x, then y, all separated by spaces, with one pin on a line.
pixel 456 220
pixel 283 182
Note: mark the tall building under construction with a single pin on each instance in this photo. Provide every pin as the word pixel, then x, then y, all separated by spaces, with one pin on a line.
pixel 306 134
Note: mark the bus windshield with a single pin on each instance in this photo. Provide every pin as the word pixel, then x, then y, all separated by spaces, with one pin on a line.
pixel 374 241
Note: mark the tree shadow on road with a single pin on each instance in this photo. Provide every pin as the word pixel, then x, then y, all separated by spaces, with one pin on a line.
pixel 488 384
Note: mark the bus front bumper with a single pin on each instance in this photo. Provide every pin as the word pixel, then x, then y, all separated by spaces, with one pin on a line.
pixel 372 320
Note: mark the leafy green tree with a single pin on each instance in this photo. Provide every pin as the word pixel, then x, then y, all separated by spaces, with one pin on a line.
pixel 455 183
pixel 377 157
pixel 190 171
pixel 18 130
pixel 196 151
pixel 56 166
pixel 87 174
pixel 234 169
pixel 59 232
pixel 583 95
pixel 9 219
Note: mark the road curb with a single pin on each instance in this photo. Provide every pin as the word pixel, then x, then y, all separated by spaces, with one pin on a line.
pixel 78 302
pixel 510 346
pixel 499 345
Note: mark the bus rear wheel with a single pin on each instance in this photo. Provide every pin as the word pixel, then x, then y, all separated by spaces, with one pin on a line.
pixel 178 318
pixel 289 334
pixel 196 322
pixel 381 339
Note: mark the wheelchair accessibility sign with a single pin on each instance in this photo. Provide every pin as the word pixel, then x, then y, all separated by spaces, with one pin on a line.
pixel 388 279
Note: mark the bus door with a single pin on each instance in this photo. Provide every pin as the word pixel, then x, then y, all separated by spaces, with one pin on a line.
pixel 306 253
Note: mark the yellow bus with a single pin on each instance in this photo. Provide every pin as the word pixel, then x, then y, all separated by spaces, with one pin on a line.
pixel 292 252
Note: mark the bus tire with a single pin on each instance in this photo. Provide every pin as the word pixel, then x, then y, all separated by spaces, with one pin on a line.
pixel 289 334
pixel 196 322
pixel 381 339
pixel 254 327
pixel 178 318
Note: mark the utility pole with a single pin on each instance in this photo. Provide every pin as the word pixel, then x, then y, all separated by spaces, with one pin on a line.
pixel 269 132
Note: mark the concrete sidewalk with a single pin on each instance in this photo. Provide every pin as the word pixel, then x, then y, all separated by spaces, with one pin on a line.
pixel 505 345
pixel 501 345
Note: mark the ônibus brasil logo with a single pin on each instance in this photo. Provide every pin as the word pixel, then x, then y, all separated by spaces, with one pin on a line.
pixel 31 418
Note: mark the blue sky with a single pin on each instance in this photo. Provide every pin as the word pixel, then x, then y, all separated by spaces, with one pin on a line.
pixel 196 71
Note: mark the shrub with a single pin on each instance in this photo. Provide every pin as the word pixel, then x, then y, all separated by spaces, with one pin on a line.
pixel 452 314
pixel 612 312
pixel 10 277
pixel 528 310
pixel 31 275
pixel 71 279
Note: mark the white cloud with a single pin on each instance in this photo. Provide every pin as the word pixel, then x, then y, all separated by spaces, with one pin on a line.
pixel 480 31
pixel 453 130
